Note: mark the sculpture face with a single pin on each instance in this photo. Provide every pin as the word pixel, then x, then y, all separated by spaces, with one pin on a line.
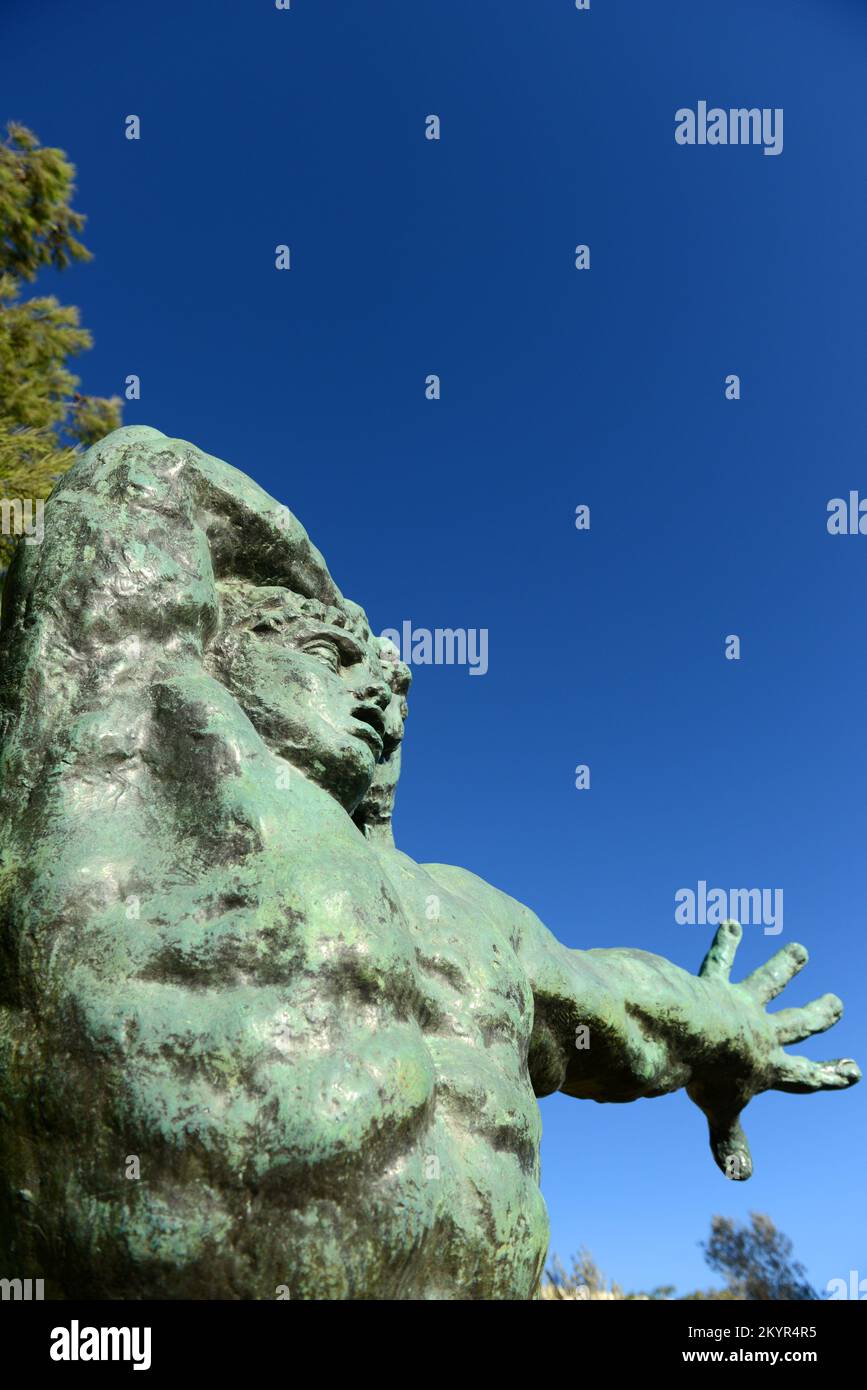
pixel 314 689
pixel 374 814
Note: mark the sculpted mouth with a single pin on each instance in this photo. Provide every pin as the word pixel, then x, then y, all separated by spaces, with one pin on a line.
pixel 372 722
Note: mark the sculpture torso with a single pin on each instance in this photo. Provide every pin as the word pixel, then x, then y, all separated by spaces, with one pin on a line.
pixel 418 1134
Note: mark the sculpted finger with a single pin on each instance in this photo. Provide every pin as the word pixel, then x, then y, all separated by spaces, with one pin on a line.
pixel 767 982
pixel 731 1151
pixel 794 1025
pixel 801 1076
pixel 717 964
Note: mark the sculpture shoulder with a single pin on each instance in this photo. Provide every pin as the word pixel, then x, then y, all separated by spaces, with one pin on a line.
pixel 552 968
pixel 520 922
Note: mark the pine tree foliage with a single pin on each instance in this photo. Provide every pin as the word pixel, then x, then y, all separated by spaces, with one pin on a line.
pixel 44 421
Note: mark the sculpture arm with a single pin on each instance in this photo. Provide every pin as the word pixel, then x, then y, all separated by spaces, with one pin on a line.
pixel 616 1025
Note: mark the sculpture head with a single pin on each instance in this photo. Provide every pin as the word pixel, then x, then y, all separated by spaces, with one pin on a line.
pixel 161 559
pixel 309 677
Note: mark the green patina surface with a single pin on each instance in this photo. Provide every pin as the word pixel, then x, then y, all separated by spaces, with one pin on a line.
pixel 325 1057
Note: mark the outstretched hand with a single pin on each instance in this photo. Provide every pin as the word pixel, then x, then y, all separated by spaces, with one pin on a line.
pixel 754 1059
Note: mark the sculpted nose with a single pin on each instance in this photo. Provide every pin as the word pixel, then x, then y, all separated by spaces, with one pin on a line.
pixel 375 693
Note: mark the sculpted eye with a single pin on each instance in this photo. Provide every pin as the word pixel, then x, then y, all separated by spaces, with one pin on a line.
pixel 326 651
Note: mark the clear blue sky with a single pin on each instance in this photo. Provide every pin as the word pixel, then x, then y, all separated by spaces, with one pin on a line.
pixel 411 257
